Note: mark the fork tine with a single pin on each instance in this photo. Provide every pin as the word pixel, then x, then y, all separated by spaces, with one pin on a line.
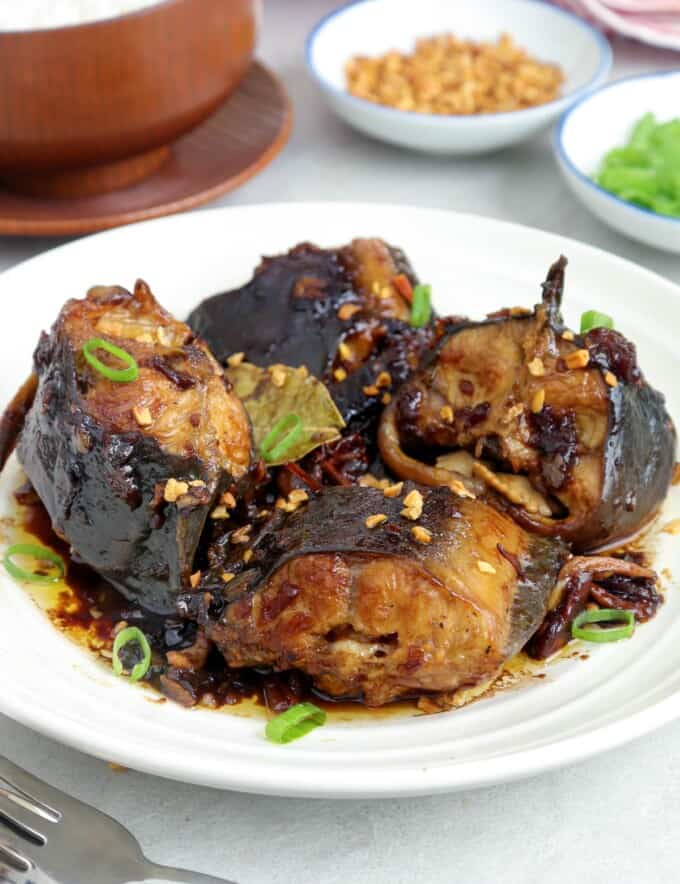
pixel 23 822
pixel 13 852
pixel 20 799
pixel 15 860
pixel 47 798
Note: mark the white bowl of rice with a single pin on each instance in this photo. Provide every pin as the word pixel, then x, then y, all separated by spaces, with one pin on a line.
pixel 92 92
pixel 30 15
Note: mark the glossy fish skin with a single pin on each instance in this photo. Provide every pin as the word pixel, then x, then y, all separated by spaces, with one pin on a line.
pixel 372 613
pixel 638 466
pixel 102 475
pixel 295 304
pixel 294 300
pixel 599 444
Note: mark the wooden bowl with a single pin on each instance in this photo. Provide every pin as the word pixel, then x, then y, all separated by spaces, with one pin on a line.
pixel 91 108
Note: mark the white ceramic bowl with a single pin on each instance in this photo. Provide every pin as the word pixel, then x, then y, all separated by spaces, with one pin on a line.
pixel 604 120
pixel 373 27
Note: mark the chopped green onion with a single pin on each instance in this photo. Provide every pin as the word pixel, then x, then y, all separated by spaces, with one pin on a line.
pixel 121 375
pixel 37 552
pixel 128 636
pixel 421 308
pixel 294 723
pixel 592 319
pixel 603 615
pixel 282 435
pixel 644 170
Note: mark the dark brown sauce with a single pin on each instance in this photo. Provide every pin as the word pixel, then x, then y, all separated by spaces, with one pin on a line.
pixel 88 609
pixel 84 591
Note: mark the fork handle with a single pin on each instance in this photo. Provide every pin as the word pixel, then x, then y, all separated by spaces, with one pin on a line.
pixel 164 875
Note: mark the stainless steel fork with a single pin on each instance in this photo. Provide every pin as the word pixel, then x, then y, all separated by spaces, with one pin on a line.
pixel 47 837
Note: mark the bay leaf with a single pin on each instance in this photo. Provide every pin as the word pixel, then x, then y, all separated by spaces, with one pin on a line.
pixel 271 393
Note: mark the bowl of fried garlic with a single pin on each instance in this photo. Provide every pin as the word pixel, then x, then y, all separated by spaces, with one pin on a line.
pixel 454 78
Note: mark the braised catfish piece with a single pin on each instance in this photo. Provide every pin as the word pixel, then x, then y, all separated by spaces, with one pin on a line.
pixel 563 427
pixel 343 313
pixel 429 602
pixel 128 471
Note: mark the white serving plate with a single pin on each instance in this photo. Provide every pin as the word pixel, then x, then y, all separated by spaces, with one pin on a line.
pixel 372 27
pixel 475 265
pixel 601 121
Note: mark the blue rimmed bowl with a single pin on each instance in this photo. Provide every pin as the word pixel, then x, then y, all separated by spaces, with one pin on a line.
pixel 604 120
pixel 373 27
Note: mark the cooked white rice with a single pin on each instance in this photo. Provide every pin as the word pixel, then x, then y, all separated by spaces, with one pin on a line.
pixel 26 15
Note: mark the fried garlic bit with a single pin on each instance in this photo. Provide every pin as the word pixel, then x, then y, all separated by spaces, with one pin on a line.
pixel 235 359
pixel 228 500
pixel 394 490
pixel 142 415
pixel 413 505
pixel 538 401
pixel 536 367
pixel 577 359
pixel 174 490
pixel 278 375
pixel 293 501
pixel 446 75
pixel 347 311
pixel 422 535
pixel 241 535
pixel 368 480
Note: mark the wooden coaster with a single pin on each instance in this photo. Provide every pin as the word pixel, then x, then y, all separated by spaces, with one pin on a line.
pixel 240 139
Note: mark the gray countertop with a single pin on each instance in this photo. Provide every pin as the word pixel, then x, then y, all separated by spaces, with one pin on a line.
pixel 612 818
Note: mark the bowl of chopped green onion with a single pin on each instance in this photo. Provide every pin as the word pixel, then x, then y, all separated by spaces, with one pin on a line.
pixel 619 151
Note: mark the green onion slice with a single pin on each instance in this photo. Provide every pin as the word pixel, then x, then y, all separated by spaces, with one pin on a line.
pixel 604 615
pixel 121 375
pixel 421 308
pixel 128 636
pixel 594 319
pixel 294 723
pixel 41 553
pixel 282 435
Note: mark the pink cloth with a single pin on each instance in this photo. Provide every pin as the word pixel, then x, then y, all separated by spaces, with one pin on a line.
pixel 652 21
pixel 643 7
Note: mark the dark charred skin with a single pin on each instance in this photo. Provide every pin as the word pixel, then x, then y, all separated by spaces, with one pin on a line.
pixel 102 473
pixel 373 613
pixel 599 448
pixel 296 298
pixel 298 301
